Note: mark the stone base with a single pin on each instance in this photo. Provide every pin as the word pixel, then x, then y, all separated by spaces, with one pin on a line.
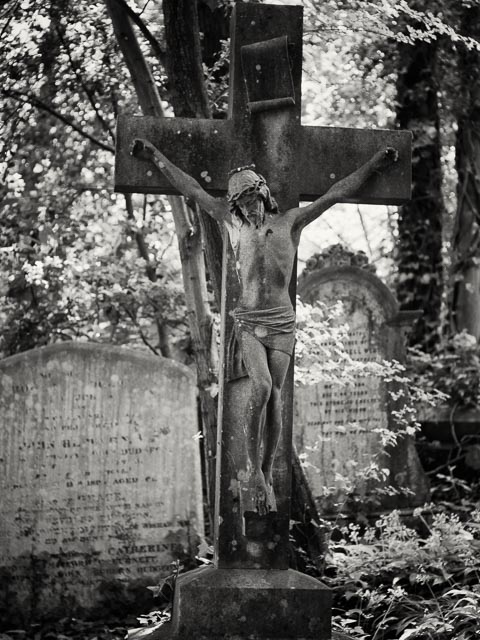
pixel 237 604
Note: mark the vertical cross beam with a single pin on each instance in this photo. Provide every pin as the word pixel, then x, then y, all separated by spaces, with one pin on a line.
pixel 243 538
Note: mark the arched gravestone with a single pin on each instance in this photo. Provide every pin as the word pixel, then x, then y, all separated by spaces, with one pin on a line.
pixel 100 478
pixel 334 425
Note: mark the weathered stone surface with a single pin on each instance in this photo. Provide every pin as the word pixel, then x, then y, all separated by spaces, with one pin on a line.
pixel 184 137
pixel 100 476
pixel 250 604
pixel 250 533
pixel 328 144
pixel 334 425
pixel 272 138
pixel 243 540
pixel 210 148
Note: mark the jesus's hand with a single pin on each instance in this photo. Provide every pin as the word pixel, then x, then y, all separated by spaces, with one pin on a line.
pixel 384 158
pixel 143 150
pixel 183 183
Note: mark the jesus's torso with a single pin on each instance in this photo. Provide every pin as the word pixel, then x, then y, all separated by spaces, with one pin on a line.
pixel 264 260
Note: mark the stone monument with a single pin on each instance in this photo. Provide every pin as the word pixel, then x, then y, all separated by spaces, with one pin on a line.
pixel 336 426
pixel 100 478
pixel 250 592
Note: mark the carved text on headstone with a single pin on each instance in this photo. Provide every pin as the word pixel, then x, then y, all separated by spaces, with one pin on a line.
pixel 100 469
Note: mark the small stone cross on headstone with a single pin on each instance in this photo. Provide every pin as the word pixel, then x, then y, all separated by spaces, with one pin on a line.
pixel 258 291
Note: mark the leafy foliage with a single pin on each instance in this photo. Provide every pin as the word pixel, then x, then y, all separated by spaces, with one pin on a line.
pixel 72 263
pixel 453 368
pixel 83 279
pixel 63 83
pixel 395 582
pixel 321 356
pixel 68 629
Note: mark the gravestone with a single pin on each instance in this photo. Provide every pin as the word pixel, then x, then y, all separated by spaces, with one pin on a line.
pixel 335 424
pixel 100 479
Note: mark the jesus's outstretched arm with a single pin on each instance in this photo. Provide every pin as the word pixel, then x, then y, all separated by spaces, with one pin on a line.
pixel 185 184
pixel 345 188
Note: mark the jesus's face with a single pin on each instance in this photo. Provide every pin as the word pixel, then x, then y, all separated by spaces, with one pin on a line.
pixel 252 207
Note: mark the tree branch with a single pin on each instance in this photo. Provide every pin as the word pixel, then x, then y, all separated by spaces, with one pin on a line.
pixel 141 244
pixel 88 93
pixel 36 102
pixel 137 325
pixel 163 342
pixel 10 18
pixel 142 78
pixel 157 49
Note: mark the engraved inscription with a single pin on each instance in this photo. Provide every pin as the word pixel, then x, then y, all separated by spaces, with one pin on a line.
pixel 336 426
pixel 100 473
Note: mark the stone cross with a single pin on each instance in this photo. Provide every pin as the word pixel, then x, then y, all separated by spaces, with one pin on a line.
pixel 299 164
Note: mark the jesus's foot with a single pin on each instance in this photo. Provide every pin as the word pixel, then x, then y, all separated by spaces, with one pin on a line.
pixel 267 474
pixel 261 493
pixel 272 503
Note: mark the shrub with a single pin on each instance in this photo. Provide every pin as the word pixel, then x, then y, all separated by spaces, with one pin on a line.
pixel 393 582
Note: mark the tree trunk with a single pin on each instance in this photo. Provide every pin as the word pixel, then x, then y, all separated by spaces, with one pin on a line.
pixel 189 240
pixel 465 305
pixel 188 93
pixel 189 100
pixel 213 23
pixel 419 249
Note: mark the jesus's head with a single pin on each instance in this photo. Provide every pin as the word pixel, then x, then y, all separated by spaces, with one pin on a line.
pixel 248 195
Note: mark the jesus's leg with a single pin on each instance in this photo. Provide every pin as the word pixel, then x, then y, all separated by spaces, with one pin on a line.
pixel 254 357
pixel 278 363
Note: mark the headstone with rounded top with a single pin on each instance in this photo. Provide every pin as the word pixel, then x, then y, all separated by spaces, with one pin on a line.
pixel 337 428
pixel 100 485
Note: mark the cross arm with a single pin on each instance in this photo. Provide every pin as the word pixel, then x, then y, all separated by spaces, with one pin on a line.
pixel 179 180
pixel 348 187
pixel 201 148
pixel 329 154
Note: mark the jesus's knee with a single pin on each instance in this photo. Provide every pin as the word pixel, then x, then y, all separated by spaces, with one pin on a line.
pixel 276 394
pixel 275 403
pixel 261 389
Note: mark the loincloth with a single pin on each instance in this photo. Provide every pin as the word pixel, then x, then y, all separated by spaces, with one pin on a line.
pixel 274 328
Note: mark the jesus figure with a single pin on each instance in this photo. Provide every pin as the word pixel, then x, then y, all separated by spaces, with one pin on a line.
pixel 264 241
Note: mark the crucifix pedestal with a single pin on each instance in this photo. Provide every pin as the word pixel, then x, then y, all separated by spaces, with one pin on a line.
pixel 250 592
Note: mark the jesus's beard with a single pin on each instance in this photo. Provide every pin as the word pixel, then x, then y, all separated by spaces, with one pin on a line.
pixel 254 214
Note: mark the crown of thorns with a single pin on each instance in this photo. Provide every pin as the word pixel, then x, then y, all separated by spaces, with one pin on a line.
pixel 248 182
pixel 251 167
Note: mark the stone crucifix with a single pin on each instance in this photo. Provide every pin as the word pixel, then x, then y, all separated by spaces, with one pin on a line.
pixel 264 241
pixel 210 162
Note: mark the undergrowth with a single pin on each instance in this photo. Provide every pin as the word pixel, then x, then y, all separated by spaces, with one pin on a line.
pixel 396 582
